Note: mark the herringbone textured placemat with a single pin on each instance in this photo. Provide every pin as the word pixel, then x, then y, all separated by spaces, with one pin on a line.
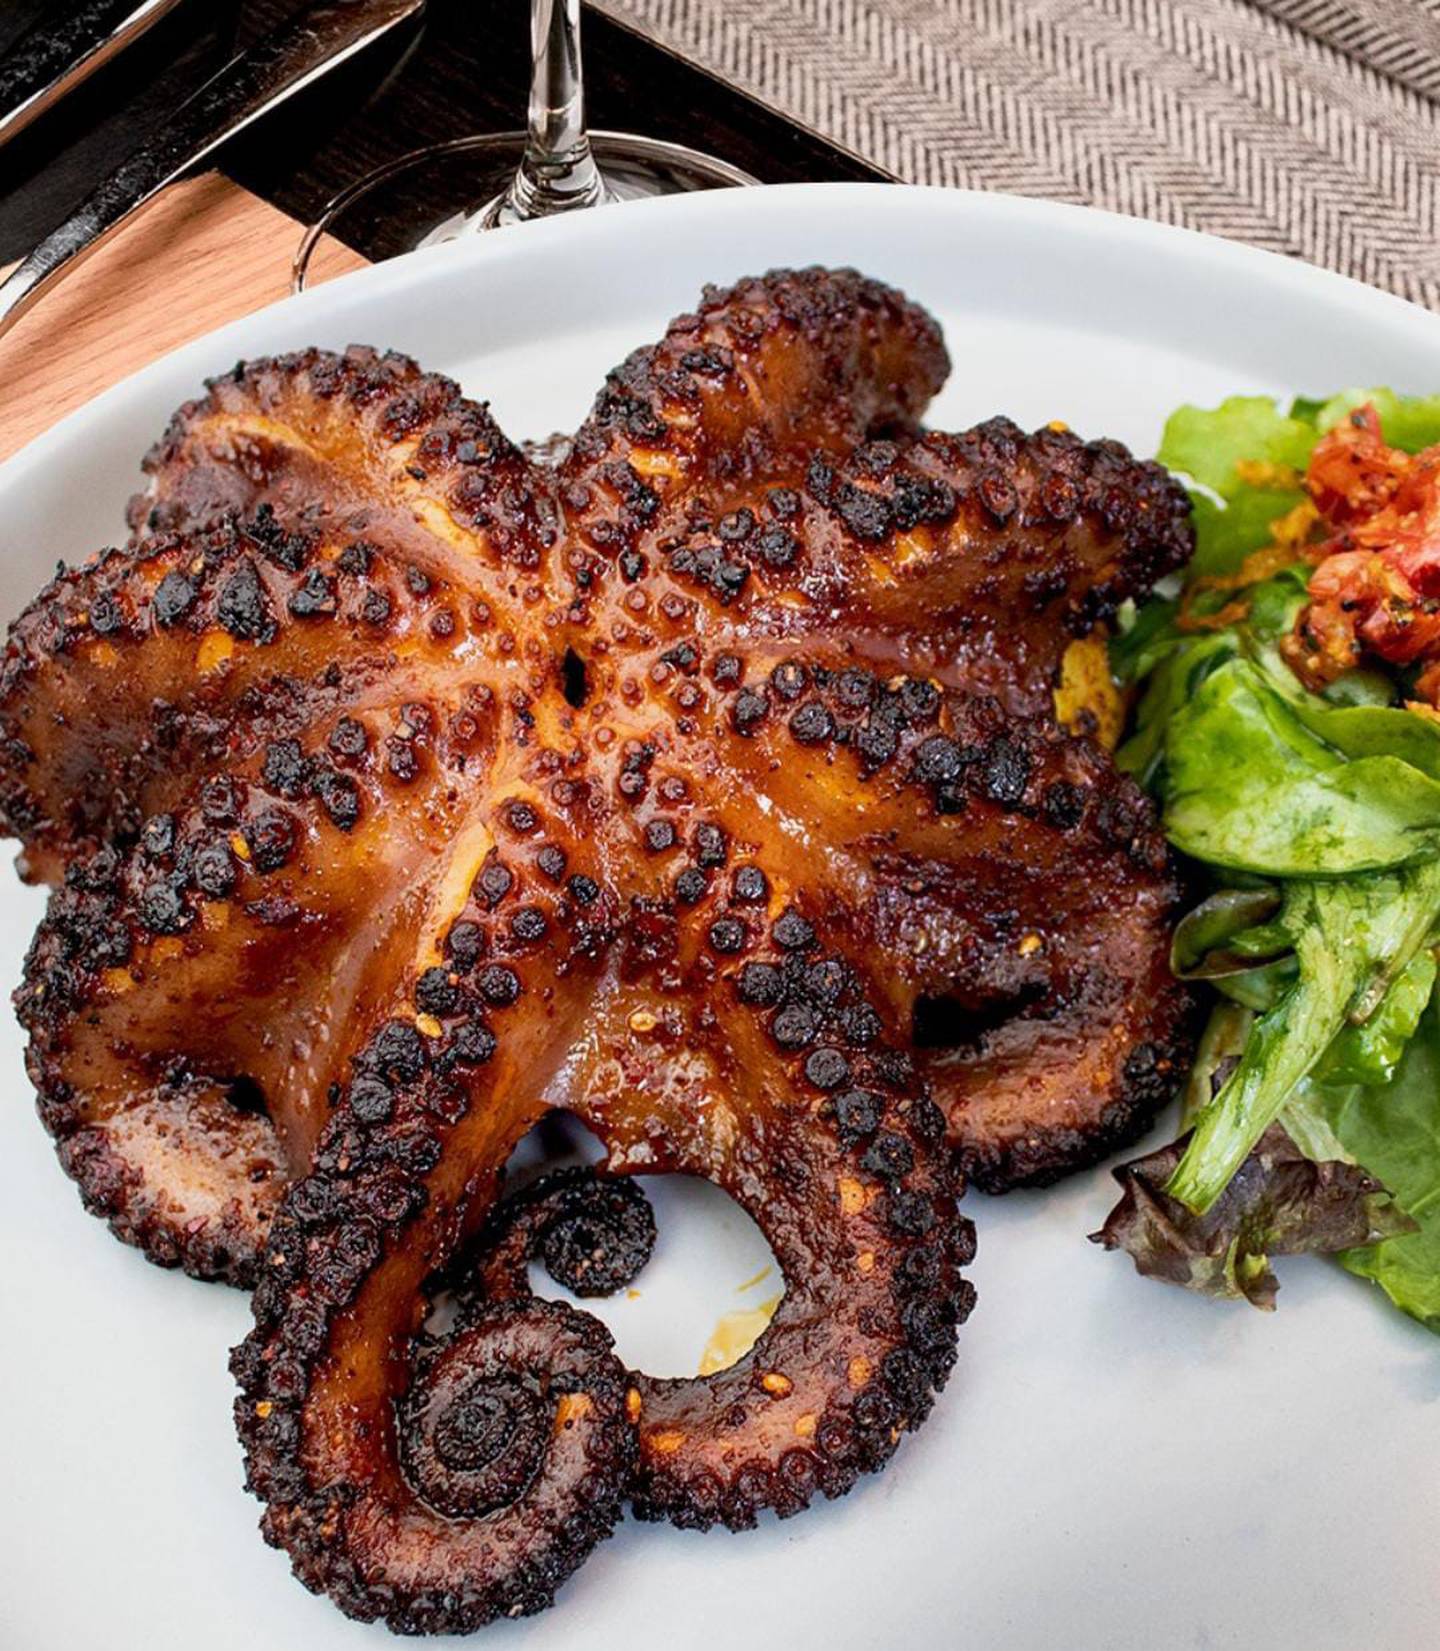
pixel 1311 127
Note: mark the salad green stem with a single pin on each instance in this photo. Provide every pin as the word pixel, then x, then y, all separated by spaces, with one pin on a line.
pixel 1348 934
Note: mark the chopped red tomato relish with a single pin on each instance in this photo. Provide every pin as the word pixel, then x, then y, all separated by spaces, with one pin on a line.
pixel 1376 588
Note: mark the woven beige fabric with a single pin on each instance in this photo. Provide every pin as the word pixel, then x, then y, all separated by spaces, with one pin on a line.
pixel 1311 127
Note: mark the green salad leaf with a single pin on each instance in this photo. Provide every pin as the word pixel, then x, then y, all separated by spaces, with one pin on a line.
pixel 1229 933
pixel 1230 941
pixel 1181 669
pixel 1227 533
pixel 1150 637
pixel 1363 730
pixel 1210 444
pixel 1349 935
pixel 1217 447
pixel 1393 1128
pixel 1249 785
pixel 1411 422
pixel 1370 1052
pixel 1313 1107
pixel 1306 1117
pixel 1216 1055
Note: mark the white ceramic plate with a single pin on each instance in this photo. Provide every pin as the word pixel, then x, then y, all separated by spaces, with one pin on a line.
pixel 1115 1464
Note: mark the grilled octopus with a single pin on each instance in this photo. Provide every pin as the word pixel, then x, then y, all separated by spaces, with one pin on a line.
pixel 398 788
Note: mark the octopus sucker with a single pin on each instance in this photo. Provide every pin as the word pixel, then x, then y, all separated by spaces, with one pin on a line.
pixel 698 776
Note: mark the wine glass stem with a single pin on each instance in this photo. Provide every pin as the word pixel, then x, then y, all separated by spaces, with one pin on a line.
pixel 557 172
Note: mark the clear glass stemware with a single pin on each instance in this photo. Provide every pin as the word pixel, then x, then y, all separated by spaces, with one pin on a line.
pixel 475 184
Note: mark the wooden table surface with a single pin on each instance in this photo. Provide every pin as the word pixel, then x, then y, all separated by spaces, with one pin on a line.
pixel 220 246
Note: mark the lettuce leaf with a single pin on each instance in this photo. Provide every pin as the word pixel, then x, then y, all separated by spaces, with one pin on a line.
pixel 1218 448
pixel 1279 1202
pixel 1225 534
pixel 1248 784
pixel 1411 422
pixel 1216 1056
pixel 1371 1052
pixel 1212 444
pixel 1394 1130
pixel 1240 454
pixel 1229 933
pixel 1352 937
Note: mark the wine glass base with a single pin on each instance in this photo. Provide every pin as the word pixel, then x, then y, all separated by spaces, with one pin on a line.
pixel 449 191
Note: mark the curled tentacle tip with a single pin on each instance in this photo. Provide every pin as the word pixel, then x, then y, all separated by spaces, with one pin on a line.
pixel 597 1235
pixel 513 1446
pixel 593 1234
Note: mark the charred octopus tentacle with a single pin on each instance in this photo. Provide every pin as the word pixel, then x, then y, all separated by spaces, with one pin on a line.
pixel 838 1155
pixel 593 1234
pixel 397 788
pixel 1017 885
pixel 188 987
pixel 436 1483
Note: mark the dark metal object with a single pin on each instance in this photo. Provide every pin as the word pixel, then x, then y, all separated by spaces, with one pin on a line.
pixel 249 86
pixel 52 59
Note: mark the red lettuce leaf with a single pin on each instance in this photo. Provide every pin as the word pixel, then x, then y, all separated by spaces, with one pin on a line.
pixel 1279 1202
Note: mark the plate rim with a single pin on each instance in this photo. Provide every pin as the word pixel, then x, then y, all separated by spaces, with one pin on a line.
pixel 973 208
